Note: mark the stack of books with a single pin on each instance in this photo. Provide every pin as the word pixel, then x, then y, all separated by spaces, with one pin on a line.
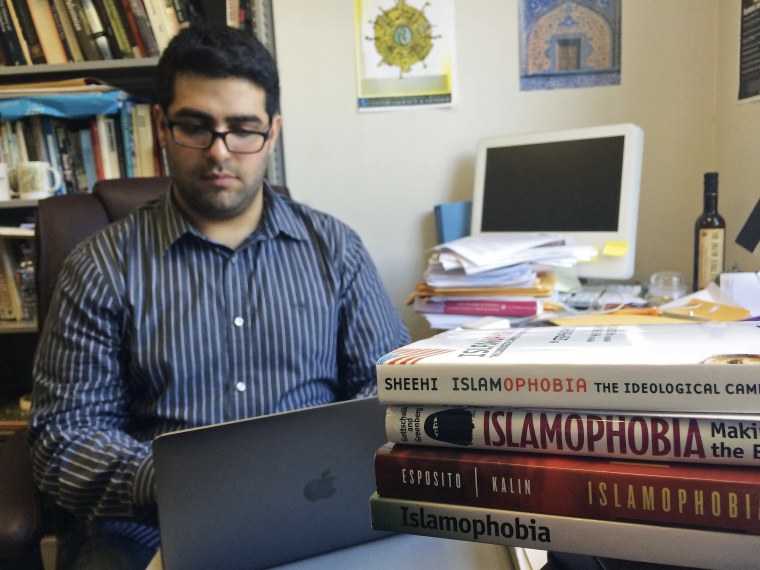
pixel 502 276
pixel 629 442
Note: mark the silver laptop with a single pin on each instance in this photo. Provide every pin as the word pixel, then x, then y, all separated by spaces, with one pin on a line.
pixel 269 490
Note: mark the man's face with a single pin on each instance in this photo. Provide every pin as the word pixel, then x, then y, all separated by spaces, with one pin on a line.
pixel 215 183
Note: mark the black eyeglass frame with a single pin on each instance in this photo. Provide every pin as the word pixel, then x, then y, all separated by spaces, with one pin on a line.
pixel 215 135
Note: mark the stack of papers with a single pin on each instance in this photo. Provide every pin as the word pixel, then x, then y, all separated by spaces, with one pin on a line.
pixel 480 276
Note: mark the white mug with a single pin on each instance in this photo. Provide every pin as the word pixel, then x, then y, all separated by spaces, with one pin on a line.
pixel 37 180
pixel 5 182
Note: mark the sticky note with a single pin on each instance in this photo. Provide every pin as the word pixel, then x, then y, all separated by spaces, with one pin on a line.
pixel 615 248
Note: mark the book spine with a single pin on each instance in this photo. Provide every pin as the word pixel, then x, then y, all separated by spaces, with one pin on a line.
pixel 66 31
pixel 82 30
pixel 713 497
pixel 89 161
pixel 144 31
pixel 124 43
pixel 683 388
pixel 182 13
pixel 47 31
pixel 691 439
pixel 97 32
pixel 155 10
pixel 170 18
pixel 28 31
pixel 484 308
pixel 629 541
pixel 65 152
pixel 109 27
pixel 11 36
pixel 138 45
pixel 127 139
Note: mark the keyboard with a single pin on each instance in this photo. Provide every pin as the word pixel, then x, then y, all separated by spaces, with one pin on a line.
pixel 596 294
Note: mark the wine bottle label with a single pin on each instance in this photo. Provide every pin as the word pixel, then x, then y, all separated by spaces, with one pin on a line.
pixel 710 256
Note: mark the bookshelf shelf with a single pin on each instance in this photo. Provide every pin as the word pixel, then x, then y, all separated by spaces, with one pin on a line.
pixel 18 327
pixel 132 75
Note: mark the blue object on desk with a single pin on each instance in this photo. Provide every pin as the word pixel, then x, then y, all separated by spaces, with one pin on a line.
pixel 452 220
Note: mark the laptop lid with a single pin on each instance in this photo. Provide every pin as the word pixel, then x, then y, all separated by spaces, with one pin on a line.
pixel 268 490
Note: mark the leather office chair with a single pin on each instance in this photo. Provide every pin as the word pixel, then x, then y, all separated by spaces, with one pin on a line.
pixel 62 223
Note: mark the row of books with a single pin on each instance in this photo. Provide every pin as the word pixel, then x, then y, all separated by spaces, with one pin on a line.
pixel 61 31
pixel 87 149
pixel 630 442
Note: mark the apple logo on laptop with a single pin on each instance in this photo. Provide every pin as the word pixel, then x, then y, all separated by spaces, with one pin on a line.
pixel 320 488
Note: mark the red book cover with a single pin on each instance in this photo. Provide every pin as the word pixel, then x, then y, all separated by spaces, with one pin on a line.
pixel 484 307
pixel 714 497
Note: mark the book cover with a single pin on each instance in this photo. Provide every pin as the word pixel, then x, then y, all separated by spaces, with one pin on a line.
pixel 84 34
pixel 24 17
pixel 691 438
pixel 621 540
pixel 66 31
pixel 661 368
pixel 716 497
pixel 47 31
pixel 144 32
pixel 482 307
pixel 11 36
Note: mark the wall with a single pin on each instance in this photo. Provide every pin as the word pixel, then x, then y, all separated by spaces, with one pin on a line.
pixel 738 141
pixel 383 172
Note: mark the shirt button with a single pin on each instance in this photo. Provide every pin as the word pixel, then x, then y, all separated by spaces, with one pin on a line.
pixel 238 321
pixel 240 386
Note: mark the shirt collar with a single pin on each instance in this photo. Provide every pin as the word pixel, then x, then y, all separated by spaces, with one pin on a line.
pixel 277 218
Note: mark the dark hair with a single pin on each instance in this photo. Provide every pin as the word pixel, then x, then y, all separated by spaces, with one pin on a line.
pixel 217 52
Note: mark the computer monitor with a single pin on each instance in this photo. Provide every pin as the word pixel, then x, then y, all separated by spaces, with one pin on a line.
pixel 578 183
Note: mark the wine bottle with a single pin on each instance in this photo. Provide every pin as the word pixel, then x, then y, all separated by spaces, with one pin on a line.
pixel 709 237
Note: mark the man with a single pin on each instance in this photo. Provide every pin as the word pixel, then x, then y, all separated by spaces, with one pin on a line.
pixel 222 301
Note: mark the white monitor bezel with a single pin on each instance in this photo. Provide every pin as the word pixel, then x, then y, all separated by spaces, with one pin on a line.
pixel 604 266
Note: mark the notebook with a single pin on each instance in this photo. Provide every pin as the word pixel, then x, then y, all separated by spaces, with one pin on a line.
pixel 265 491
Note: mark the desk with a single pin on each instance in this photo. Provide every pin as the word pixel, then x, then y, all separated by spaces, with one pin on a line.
pixel 403 550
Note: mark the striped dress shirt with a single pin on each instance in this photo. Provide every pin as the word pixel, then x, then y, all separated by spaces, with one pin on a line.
pixel 153 328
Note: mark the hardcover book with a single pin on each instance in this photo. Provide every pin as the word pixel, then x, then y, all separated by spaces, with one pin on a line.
pixel 691 438
pixel 717 497
pixel 497 307
pixel 661 368
pixel 629 541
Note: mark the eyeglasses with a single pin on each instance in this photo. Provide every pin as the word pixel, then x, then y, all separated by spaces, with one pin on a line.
pixel 239 141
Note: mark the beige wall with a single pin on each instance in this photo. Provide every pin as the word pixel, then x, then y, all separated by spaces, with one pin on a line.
pixel 383 172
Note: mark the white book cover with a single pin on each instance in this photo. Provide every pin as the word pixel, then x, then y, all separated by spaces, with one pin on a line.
pixel 688 547
pixel 679 368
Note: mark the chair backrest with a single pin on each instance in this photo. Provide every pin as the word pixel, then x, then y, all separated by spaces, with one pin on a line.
pixel 67 220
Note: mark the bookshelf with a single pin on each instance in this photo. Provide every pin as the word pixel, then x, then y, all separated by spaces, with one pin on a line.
pixel 134 76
